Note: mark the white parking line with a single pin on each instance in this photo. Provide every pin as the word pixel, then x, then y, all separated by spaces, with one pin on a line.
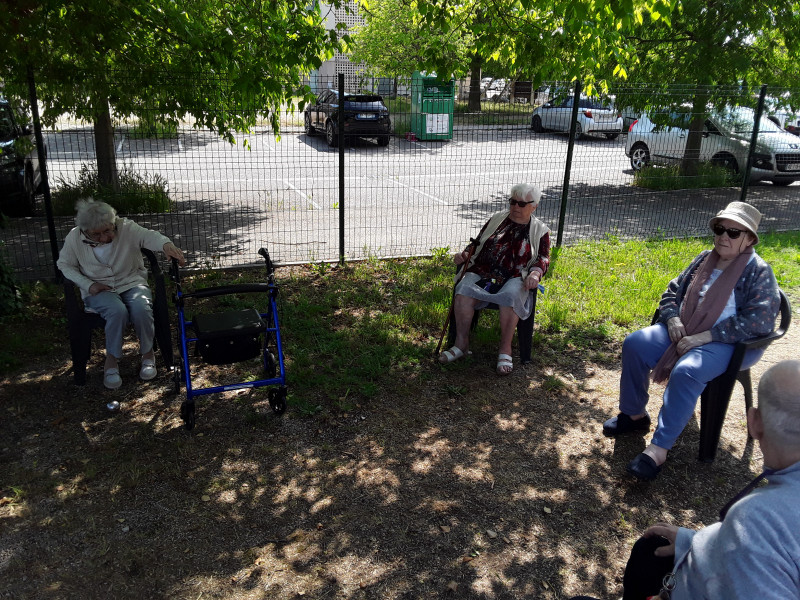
pixel 302 195
pixel 121 142
pixel 413 189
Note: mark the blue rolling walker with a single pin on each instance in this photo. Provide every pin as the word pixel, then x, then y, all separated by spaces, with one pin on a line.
pixel 222 338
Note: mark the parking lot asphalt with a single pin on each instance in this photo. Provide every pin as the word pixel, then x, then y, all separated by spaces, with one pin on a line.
pixel 405 199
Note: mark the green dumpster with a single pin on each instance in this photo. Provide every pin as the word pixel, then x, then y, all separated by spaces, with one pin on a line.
pixel 432 104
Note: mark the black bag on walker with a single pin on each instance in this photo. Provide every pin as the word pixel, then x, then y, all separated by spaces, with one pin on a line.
pixel 229 337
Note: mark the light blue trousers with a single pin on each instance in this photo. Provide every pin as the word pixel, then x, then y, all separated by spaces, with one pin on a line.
pixel 135 306
pixel 641 351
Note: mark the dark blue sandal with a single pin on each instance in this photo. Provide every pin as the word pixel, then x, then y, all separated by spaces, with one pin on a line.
pixel 643 467
pixel 622 424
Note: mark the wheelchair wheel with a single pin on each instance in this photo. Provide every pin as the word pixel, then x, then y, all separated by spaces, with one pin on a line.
pixel 187 414
pixel 277 400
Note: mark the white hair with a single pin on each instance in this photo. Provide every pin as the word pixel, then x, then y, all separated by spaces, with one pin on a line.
pixel 92 214
pixel 527 192
pixel 779 403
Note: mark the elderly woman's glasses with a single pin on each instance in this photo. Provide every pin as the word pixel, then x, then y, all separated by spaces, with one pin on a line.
pixel 520 203
pixel 732 233
pixel 94 238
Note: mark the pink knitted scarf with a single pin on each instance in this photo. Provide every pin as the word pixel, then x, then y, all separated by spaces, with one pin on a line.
pixel 696 316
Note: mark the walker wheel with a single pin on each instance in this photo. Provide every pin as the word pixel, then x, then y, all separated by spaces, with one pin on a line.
pixel 277 400
pixel 187 414
pixel 176 380
pixel 271 366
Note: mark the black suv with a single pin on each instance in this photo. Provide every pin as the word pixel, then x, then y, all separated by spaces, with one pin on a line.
pixel 365 115
pixel 20 176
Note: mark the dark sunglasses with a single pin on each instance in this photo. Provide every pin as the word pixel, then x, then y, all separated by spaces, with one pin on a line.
pixel 520 203
pixel 732 233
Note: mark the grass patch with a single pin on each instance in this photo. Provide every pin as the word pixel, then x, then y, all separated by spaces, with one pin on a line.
pixel 669 178
pixel 138 192
pixel 352 332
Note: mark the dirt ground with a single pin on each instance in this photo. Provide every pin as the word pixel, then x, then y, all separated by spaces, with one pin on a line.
pixel 477 487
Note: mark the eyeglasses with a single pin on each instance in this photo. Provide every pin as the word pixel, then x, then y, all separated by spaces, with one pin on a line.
pixel 732 233
pixel 520 203
pixel 94 237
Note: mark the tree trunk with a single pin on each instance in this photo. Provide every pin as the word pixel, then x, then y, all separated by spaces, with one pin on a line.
pixel 691 154
pixel 104 147
pixel 475 83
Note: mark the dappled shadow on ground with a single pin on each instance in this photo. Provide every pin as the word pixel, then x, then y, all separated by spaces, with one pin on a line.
pixel 452 482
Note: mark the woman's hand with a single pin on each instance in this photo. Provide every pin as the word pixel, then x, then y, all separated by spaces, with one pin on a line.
pixel 172 251
pixel 688 342
pixel 96 288
pixel 532 280
pixel 675 329
pixel 461 258
pixel 670 532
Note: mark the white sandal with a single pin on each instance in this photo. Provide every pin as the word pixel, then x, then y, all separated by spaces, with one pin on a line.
pixel 451 355
pixel 505 364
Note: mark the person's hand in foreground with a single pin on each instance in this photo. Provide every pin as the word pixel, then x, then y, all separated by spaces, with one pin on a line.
pixel 669 532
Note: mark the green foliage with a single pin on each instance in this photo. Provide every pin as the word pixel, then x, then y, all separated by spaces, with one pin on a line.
pixel 9 296
pixel 138 192
pixel 151 127
pixel 670 177
pixel 393 44
pixel 139 56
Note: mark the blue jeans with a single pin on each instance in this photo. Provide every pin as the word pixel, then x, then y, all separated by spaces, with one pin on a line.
pixel 135 306
pixel 641 351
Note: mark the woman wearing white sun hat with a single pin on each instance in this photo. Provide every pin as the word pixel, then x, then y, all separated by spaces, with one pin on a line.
pixel 724 296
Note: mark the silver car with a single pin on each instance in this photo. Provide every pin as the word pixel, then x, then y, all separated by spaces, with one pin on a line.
pixel 594 116
pixel 726 142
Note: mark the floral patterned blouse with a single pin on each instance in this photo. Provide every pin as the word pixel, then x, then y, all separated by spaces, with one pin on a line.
pixel 507 251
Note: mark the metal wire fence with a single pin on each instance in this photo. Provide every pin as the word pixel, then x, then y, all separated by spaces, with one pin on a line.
pixel 446 168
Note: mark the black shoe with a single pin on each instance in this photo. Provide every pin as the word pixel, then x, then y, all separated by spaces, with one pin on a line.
pixel 622 423
pixel 643 467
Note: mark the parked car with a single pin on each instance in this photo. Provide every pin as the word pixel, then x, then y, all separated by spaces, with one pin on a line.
pixel 20 176
pixel 365 115
pixel 499 90
pixel 726 142
pixel 594 116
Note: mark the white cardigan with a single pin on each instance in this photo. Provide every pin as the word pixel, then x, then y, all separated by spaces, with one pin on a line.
pixel 125 270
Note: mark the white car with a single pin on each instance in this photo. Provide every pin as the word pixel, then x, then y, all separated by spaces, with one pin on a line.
pixel 726 142
pixel 594 116
pixel 498 90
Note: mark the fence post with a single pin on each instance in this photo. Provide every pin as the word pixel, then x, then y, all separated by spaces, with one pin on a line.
pixel 753 143
pixel 37 132
pixel 568 166
pixel 340 133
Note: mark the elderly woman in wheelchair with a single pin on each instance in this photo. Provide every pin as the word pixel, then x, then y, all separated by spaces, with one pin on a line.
pixel 508 259
pixel 102 256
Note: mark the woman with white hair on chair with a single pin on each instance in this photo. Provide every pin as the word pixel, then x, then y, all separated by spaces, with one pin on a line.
pixel 102 256
pixel 508 260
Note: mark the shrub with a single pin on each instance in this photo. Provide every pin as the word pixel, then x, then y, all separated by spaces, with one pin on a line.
pixel 138 192
pixel 9 295
pixel 669 178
